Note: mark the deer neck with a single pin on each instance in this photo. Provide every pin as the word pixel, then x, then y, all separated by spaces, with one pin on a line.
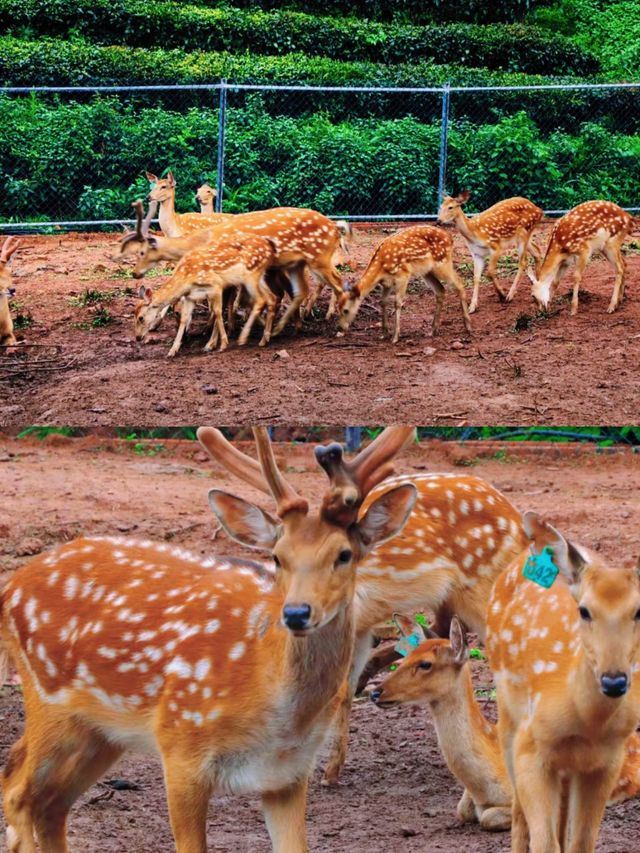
pixel 316 667
pixel 167 217
pixel 177 286
pixel 370 277
pixel 465 226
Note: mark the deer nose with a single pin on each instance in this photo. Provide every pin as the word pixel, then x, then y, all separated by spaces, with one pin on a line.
pixel 375 695
pixel 614 684
pixel 296 616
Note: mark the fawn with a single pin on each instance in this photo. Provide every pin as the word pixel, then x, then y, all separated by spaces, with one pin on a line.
pixel 565 656
pixel 419 251
pixel 438 674
pixel 205 196
pixel 179 224
pixel 229 672
pixel 460 536
pixel 594 226
pixel 488 234
pixel 205 274
pixel 7 337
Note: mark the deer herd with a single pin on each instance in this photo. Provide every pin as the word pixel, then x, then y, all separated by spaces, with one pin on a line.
pixel 264 259
pixel 235 672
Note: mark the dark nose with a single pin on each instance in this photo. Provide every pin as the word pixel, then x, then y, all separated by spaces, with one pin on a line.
pixel 296 616
pixel 376 694
pixel 614 684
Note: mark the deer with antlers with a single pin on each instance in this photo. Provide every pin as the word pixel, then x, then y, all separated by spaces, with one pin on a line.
pixel 438 674
pixel 594 226
pixel 421 251
pixel 240 261
pixel 488 235
pixel 7 337
pixel 563 638
pixel 229 672
pixel 206 196
pixel 179 224
pixel 459 537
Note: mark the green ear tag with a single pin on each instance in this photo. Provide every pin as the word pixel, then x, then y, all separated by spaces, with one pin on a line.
pixel 540 568
pixel 408 643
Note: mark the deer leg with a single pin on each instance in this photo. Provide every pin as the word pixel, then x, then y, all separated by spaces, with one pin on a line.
pixel 329 275
pixel 233 307
pixel 478 267
pixel 614 256
pixel 591 791
pixel 300 293
pixel 494 257
pixel 400 296
pixel 186 313
pixel 522 246
pixel 284 813
pixel 259 300
pixel 188 797
pixel 496 819
pixel 385 304
pixel 271 303
pixel 466 808
pixel 16 800
pixel 438 292
pixel 218 331
pixel 581 264
pixel 538 790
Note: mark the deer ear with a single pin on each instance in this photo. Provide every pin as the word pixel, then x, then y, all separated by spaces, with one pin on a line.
pixel 142 291
pixel 464 196
pixel 153 179
pixel 170 178
pixel 458 641
pixel 243 521
pixel 567 557
pixel 386 516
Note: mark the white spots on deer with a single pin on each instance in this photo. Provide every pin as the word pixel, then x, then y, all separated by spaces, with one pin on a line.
pixel 180 667
pixel 237 651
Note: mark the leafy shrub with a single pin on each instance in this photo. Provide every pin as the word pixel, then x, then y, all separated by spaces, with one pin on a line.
pixel 511 47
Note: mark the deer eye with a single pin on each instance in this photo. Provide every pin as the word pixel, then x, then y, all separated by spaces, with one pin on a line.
pixel 276 561
pixel 637 616
pixel 345 556
pixel 584 614
pixel 425 664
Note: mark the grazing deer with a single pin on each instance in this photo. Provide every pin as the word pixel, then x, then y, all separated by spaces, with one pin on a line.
pixel 179 224
pixel 240 261
pixel 230 675
pixel 438 674
pixel 7 337
pixel 595 226
pixel 565 655
pixel 420 251
pixel 460 536
pixel 205 196
pixel 488 234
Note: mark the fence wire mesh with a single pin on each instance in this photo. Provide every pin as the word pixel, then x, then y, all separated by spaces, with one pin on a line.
pixel 77 157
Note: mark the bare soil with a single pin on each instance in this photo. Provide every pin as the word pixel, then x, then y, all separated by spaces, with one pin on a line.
pixel 519 367
pixel 396 793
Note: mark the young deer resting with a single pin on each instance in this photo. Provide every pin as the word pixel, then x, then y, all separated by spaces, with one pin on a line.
pixel 205 196
pixel 488 234
pixel 231 676
pixel 565 660
pixel 438 674
pixel 179 224
pixel 419 251
pixel 7 338
pixel 595 226
pixel 459 537
pixel 239 261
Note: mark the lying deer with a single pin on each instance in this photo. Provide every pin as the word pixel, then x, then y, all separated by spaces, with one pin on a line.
pixel 179 224
pixel 565 652
pixel 488 234
pixel 7 337
pixel 205 196
pixel 595 226
pixel 438 674
pixel 206 273
pixel 460 536
pixel 420 251
pixel 231 678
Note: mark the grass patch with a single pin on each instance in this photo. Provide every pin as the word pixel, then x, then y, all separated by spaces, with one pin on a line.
pixel 41 432
pixel 23 320
pixel 91 296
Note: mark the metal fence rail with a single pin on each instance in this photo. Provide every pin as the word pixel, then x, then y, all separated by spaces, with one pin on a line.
pixel 78 155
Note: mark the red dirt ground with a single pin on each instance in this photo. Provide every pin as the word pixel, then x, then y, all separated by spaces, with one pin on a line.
pixel 396 793
pixel 558 370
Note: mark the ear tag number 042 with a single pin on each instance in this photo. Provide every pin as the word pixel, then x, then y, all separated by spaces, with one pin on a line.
pixel 540 568
pixel 408 643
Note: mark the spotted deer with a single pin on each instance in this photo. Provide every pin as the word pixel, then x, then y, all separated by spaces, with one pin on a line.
pixel 240 261
pixel 565 654
pixel 438 674
pixel 459 537
pixel 594 226
pixel 488 234
pixel 230 673
pixel 7 337
pixel 205 196
pixel 421 251
pixel 179 224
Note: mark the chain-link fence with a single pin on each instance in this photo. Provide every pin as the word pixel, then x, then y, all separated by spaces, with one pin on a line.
pixel 77 156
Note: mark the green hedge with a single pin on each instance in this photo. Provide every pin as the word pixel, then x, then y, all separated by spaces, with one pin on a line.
pixel 514 47
pixel 87 160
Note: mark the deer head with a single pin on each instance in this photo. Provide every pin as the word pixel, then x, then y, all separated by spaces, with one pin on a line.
pixel 205 196
pixel 451 205
pixel 135 242
pixel 163 188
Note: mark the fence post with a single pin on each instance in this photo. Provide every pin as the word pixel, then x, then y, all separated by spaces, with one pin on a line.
pixel 222 126
pixel 353 438
pixel 444 143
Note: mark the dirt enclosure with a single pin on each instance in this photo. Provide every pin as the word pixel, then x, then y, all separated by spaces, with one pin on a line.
pixel 519 367
pixel 396 793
